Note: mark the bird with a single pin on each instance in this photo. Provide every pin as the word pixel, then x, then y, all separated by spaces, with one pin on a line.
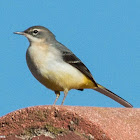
pixel 57 67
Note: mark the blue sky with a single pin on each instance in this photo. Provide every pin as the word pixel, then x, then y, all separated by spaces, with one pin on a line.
pixel 105 35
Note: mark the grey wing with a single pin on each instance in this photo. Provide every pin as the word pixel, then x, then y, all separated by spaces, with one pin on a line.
pixel 70 58
pixel 76 62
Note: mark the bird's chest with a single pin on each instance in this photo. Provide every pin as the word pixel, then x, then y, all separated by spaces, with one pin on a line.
pixel 42 61
pixel 48 67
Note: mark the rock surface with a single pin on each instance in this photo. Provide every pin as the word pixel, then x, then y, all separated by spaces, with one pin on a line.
pixel 71 123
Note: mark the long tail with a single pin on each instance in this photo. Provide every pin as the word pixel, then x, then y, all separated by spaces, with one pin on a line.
pixel 112 95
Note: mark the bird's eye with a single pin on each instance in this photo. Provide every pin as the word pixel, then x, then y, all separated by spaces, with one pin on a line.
pixel 35 32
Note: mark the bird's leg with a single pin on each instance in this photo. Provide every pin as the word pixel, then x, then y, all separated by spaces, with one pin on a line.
pixel 57 96
pixel 65 94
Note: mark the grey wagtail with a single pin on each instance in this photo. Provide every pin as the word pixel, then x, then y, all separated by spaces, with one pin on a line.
pixel 57 68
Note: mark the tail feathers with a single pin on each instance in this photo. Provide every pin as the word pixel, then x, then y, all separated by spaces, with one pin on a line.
pixel 113 96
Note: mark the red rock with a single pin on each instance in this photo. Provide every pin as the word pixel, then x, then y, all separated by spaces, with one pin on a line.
pixel 71 123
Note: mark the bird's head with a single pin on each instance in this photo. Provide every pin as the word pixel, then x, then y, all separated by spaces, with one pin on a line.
pixel 38 34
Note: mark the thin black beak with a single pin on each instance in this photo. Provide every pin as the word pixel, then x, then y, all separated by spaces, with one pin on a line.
pixel 20 33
